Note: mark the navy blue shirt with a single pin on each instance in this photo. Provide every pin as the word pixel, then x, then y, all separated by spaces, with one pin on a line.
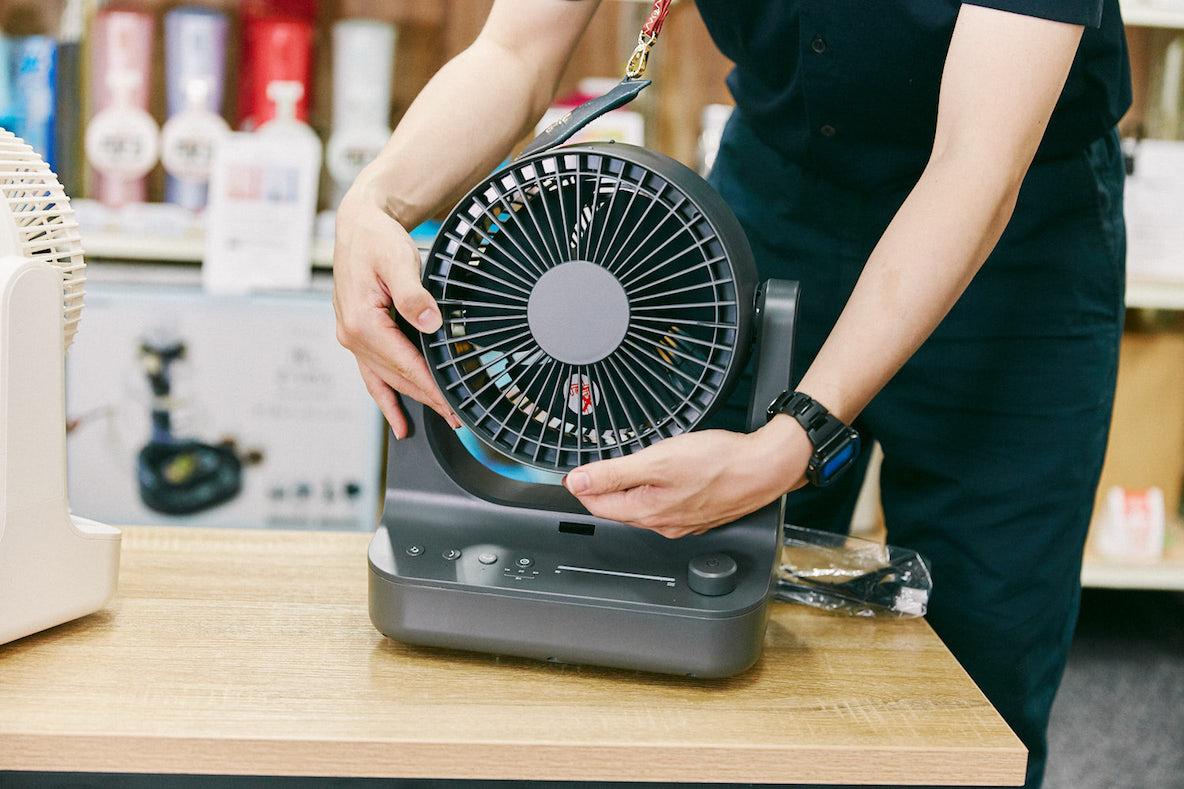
pixel 849 87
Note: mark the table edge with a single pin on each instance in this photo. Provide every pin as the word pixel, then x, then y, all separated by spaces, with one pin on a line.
pixel 998 766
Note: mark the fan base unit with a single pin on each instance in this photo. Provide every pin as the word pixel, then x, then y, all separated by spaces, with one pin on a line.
pixel 54 567
pixel 467 559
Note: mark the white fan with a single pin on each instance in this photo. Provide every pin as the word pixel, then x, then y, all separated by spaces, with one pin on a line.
pixel 54 566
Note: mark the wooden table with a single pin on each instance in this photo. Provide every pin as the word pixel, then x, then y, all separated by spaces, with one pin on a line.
pixel 250 652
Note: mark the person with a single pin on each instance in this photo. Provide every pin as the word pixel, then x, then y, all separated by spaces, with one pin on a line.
pixel 945 182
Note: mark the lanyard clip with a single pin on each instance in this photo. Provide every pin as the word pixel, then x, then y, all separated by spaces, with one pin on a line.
pixel 638 61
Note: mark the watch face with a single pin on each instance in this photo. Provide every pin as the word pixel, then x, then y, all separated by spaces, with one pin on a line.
pixel 839 459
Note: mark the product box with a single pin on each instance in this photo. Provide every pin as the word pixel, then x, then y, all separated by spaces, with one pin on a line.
pixel 1153 204
pixel 238 411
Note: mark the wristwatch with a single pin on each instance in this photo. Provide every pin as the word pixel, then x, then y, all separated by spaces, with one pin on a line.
pixel 836 445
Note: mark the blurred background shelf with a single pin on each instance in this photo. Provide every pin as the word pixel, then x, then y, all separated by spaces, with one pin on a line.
pixel 1142 294
pixel 1158 14
pixel 128 247
pixel 1166 575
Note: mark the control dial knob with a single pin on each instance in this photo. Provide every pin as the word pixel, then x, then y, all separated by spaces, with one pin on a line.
pixel 712 574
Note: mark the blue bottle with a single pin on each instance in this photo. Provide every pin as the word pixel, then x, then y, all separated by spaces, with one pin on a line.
pixel 32 68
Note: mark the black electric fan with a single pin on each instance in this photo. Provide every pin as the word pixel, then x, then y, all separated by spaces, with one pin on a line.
pixel 596 298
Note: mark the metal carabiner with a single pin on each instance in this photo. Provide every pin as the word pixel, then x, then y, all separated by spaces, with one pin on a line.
pixel 638 61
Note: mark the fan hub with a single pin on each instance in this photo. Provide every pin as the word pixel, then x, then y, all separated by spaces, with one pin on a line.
pixel 578 312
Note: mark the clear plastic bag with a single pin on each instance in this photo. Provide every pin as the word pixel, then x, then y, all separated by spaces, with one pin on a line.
pixel 851 575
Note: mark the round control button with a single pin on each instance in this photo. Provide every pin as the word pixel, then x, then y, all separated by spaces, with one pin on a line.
pixel 712 574
pixel 487 558
pixel 524 561
pixel 451 554
pixel 414 550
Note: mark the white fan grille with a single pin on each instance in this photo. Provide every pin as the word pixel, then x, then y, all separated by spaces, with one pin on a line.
pixel 44 224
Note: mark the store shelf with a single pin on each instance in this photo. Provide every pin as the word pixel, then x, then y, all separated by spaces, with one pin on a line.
pixel 127 247
pixel 189 249
pixel 1141 294
pixel 1158 14
pixel 1166 574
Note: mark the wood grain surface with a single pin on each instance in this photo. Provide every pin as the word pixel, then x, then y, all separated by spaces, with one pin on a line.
pixel 250 652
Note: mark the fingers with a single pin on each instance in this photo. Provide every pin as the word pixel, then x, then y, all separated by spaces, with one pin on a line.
pixel 635 507
pixel 392 357
pixel 613 506
pixel 371 334
pixel 386 399
pixel 618 474
pixel 401 273
pixel 376 265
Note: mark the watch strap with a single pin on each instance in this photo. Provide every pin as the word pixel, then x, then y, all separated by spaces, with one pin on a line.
pixel 819 424
pixel 836 445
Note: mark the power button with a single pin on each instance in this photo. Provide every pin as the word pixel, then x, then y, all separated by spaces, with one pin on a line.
pixel 712 574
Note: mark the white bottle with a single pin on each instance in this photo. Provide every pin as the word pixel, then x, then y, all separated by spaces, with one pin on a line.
pixel 363 61
pixel 187 146
pixel 263 199
pixel 195 49
pixel 285 126
pixel 123 141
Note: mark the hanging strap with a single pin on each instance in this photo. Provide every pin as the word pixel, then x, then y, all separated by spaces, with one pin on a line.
pixel 638 61
pixel 621 94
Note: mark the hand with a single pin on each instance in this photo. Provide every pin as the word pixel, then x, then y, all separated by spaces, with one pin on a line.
pixel 694 482
pixel 376 266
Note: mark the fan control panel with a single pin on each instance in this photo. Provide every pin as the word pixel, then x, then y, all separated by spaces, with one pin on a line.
pixel 569 565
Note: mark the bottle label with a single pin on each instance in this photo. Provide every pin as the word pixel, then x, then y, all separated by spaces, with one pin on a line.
pixel 351 149
pixel 187 144
pixel 122 142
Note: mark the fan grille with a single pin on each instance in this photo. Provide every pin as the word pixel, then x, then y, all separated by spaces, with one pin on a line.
pixel 44 224
pixel 590 306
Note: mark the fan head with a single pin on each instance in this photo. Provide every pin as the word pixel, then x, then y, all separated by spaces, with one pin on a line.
pixel 596 299
pixel 36 222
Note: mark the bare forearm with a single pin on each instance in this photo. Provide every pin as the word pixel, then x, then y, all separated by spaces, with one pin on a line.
pixel 459 127
pixel 932 249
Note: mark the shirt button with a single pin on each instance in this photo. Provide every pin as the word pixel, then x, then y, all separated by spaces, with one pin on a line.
pixel 826 130
pixel 818 44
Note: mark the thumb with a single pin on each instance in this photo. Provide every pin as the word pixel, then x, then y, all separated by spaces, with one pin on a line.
pixel 608 476
pixel 411 299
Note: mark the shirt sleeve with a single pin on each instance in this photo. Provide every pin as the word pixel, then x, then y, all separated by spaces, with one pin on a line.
pixel 1076 12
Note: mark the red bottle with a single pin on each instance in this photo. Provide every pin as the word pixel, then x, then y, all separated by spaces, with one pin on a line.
pixel 277 45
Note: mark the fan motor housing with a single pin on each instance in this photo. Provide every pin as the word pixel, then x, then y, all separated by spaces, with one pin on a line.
pixel 596 299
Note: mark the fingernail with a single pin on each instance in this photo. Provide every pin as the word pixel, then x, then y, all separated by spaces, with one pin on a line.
pixel 577 482
pixel 428 320
pixel 454 420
